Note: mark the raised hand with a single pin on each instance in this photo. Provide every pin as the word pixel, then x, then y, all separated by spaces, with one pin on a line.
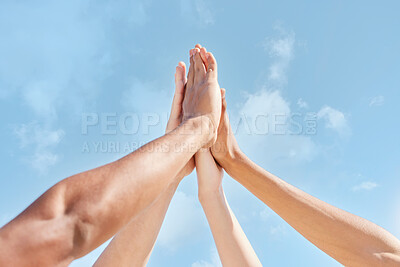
pixel 176 115
pixel 202 94
pixel 225 147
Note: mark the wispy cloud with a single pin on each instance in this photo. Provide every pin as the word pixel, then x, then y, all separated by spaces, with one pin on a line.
pixel 265 102
pixel 41 97
pixel 270 113
pixel 41 141
pixel 198 12
pixel 301 103
pixel 365 186
pixel 267 118
pixel 178 225
pixel 281 50
pixel 335 120
pixel 215 261
pixel 204 12
pixel 276 225
pixel 377 101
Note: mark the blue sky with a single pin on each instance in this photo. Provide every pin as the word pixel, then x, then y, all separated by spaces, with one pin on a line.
pixel 331 66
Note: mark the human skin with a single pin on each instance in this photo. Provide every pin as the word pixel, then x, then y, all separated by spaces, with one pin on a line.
pixel 81 212
pixel 233 247
pixel 349 239
pixel 132 246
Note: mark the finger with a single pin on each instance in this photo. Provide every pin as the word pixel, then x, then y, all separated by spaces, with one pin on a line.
pixel 198 46
pixel 176 108
pixel 190 78
pixel 200 71
pixel 191 52
pixel 223 91
pixel 183 65
pixel 203 54
pixel 212 66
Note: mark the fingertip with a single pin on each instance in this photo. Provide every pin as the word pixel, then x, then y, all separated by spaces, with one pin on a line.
pixel 210 57
pixel 198 46
pixel 212 63
pixel 223 91
pixel 178 73
pixel 197 54
pixel 183 65
pixel 203 53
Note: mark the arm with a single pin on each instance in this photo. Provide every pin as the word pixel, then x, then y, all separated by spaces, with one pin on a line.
pixel 81 212
pixel 133 245
pixel 234 248
pixel 349 239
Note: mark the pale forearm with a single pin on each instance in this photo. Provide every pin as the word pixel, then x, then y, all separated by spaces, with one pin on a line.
pixel 133 245
pixel 233 246
pixel 348 238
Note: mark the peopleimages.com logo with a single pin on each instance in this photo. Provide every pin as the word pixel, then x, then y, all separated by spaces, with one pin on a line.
pixel 112 125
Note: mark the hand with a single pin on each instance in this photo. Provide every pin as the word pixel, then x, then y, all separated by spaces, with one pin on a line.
pixel 175 117
pixel 225 148
pixel 209 174
pixel 202 95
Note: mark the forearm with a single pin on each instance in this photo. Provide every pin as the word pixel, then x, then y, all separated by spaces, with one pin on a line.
pixel 233 246
pixel 349 239
pixel 133 245
pixel 88 208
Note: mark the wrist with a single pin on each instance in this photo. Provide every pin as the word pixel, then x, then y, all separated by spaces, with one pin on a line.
pixel 230 157
pixel 207 196
pixel 203 128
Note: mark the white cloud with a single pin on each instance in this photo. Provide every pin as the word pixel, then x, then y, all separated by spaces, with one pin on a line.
pixel 281 49
pixel 377 101
pixel 215 261
pixel 301 103
pixel 42 142
pixel 366 185
pixel 265 122
pixel 198 12
pixel 41 97
pixel 265 102
pixel 278 230
pixel 204 12
pixel 334 119
pixel 183 220
pixel 33 133
pixel 277 226
pixel 42 160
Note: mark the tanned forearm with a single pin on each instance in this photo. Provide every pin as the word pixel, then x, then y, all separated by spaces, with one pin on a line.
pixel 351 240
pixel 81 212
